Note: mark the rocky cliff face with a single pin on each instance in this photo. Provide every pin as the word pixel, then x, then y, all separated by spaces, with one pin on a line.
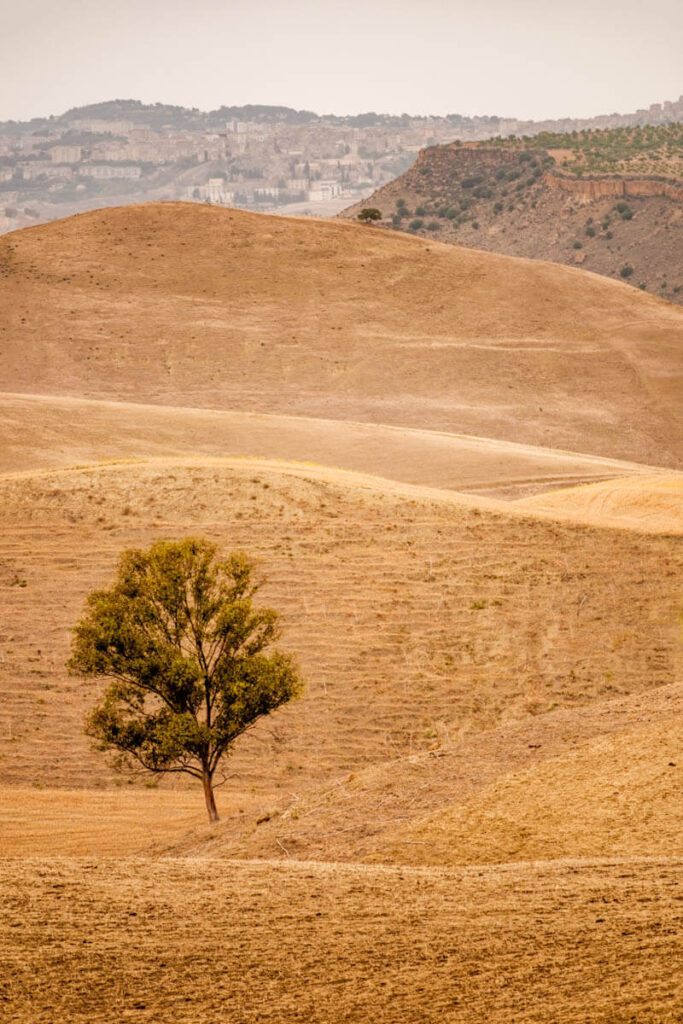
pixel 588 190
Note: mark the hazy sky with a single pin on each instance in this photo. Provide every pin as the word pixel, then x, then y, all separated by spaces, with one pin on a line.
pixel 521 58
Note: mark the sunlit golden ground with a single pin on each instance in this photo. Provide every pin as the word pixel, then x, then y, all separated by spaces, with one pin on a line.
pixel 192 941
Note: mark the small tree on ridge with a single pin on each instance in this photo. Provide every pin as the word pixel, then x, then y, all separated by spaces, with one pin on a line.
pixel 184 647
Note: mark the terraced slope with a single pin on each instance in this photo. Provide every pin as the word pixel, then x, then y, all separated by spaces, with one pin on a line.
pixel 182 304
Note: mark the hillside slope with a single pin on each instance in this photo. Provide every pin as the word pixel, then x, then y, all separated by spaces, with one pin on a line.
pixel 605 797
pixel 40 432
pixel 522 202
pixel 183 304
pixel 600 779
pixel 416 618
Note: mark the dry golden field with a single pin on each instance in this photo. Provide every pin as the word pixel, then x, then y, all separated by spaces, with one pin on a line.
pixel 184 304
pixel 416 620
pixel 95 941
pixel 460 476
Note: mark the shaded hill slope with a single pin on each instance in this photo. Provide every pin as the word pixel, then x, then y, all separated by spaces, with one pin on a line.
pixel 601 779
pixel 190 305
pixel 520 201
pixel 38 432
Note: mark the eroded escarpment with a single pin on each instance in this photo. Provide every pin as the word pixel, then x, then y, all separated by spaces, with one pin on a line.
pixel 591 189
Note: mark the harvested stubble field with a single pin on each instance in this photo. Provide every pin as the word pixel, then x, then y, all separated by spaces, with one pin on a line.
pixel 473 814
pixel 196 940
pixel 416 621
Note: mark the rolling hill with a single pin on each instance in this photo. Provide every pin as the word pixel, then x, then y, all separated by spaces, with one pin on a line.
pixel 460 476
pixel 607 201
pixel 179 304
pixel 418 615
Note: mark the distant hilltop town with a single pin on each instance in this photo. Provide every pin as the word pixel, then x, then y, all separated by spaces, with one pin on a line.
pixel 254 157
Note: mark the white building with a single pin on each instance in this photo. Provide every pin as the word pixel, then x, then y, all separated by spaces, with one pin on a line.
pixel 102 172
pixel 214 191
pixel 66 154
pixel 324 190
pixel 30 172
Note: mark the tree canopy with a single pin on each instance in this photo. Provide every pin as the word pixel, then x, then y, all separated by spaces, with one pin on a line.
pixel 370 213
pixel 185 651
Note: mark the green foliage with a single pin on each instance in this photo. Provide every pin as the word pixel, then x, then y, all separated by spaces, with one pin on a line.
pixel 184 649
pixel 626 270
pixel 590 231
pixel 577 244
pixel 433 225
pixel 624 210
pixel 416 224
pixel 370 213
pixel 648 149
pixel 420 211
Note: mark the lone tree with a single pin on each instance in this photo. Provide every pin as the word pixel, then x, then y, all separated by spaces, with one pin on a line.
pixel 370 213
pixel 184 647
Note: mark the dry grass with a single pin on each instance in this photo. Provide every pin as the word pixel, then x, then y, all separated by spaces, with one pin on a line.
pixel 613 795
pixel 90 823
pixel 189 941
pixel 645 502
pixel 416 621
pixel 598 780
pixel 183 304
pixel 487 680
pixel 46 432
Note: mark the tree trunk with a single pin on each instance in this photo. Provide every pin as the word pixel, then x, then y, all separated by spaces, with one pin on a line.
pixel 209 797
